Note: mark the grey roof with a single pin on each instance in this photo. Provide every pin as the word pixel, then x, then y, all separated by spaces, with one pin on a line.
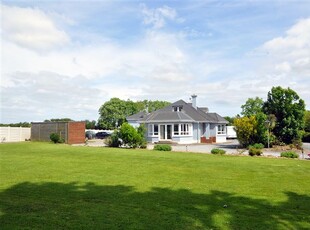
pixel 137 116
pixel 168 116
pixel 188 114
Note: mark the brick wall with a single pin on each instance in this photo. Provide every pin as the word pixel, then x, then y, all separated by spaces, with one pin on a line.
pixel 208 141
pixel 76 132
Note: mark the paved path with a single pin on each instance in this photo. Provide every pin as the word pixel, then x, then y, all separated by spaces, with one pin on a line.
pixel 231 147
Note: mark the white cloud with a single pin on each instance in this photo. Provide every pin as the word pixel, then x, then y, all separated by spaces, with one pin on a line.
pixel 157 17
pixel 290 52
pixel 31 28
pixel 43 95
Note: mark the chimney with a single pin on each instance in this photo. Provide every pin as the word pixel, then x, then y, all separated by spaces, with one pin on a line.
pixel 194 101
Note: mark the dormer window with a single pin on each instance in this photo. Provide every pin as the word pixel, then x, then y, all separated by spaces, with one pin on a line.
pixel 177 108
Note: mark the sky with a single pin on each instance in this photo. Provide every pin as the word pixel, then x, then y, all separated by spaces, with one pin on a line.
pixel 66 58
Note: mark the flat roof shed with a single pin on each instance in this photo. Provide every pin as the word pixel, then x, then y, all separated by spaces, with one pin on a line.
pixel 72 132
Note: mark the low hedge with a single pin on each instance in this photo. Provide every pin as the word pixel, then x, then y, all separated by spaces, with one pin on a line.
pixel 162 147
pixel 255 152
pixel 218 151
pixel 289 154
pixel 257 146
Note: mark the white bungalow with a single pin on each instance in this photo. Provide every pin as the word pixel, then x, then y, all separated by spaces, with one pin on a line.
pixel 182 123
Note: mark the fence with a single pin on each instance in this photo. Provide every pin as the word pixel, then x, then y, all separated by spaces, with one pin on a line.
pixel 14 134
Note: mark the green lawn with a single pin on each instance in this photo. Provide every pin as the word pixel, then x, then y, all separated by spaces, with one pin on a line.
pixel 48 186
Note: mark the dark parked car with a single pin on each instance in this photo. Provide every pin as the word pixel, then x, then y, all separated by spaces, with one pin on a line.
pixel 90 134
pixel 102 135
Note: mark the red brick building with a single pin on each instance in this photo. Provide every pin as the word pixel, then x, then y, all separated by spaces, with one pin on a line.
pixel 73 132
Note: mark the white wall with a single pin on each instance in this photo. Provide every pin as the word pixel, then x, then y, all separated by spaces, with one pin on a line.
pixel 14 134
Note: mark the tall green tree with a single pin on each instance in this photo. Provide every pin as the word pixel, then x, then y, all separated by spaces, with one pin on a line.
pixel 289 109
pixel 58 120
pixel 252 106
pixel 113 113
pixel 230 120
pixel 90 124
pixel 307 121
pixel 151 106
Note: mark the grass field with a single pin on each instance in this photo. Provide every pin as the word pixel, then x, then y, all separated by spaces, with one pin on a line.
pixel 47 186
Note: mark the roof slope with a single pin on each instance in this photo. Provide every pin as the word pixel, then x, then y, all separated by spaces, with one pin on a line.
pixel 188 114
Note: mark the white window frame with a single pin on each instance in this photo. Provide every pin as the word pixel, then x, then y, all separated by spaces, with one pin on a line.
pixel 221 129
pixel 184 129
pixel 152 131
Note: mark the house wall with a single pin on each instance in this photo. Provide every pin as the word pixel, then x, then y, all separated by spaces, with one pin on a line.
pixel 152 139
pixel 196 133
pixel 213 130
pixel 184 139
pixel 207 131
pixel 135 124
pixel 220 138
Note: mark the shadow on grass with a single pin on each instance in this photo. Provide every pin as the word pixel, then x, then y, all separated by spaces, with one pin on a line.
pixel 71 206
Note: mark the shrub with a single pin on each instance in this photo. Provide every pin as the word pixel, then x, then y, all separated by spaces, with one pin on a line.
pixel 143 144
pixel 113 140
pixel 255 152
pixel 162 147
pixel 218 151
pixel 131 137
pixel 56 138
pixel 289 154
pixel 257 146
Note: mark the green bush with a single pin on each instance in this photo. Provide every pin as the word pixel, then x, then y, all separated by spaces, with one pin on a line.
pixel 113 140
pixel 257 146
pixel 289 154
pixel 162 147
pixel 143 144
pixel 132 137
pixel 218 151
pixel 255 152
pixel 56 138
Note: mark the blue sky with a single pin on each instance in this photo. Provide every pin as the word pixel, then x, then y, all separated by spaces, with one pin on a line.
pixel 66 58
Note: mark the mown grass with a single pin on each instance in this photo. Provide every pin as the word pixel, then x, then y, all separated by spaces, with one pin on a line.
pixel 48 186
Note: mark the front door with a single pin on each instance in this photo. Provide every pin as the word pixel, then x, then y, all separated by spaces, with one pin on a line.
pixel 165 132
pixel 162 130
pixel 169 129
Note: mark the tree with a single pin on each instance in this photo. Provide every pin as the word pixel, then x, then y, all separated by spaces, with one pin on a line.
pixel 289 109
pixel 113 113
pixel 58 119
pixel 307 121
pixel 90 124
pixel 252 106
pixel 306 136
pixel 245 128
pixel 230 120
pixel 151 106
pixel 130 136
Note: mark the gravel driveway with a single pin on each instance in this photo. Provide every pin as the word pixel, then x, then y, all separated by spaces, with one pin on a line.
pixel 231 147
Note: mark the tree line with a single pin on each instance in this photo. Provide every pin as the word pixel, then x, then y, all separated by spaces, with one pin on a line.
pixel 281 119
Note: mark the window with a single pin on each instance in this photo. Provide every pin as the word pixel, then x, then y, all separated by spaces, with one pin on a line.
pixel 177 108
pixel 176 129
pixel 184 129
pixel 153 130
pixel 221 129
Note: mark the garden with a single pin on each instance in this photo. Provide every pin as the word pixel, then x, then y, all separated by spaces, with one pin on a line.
pixel 48 186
